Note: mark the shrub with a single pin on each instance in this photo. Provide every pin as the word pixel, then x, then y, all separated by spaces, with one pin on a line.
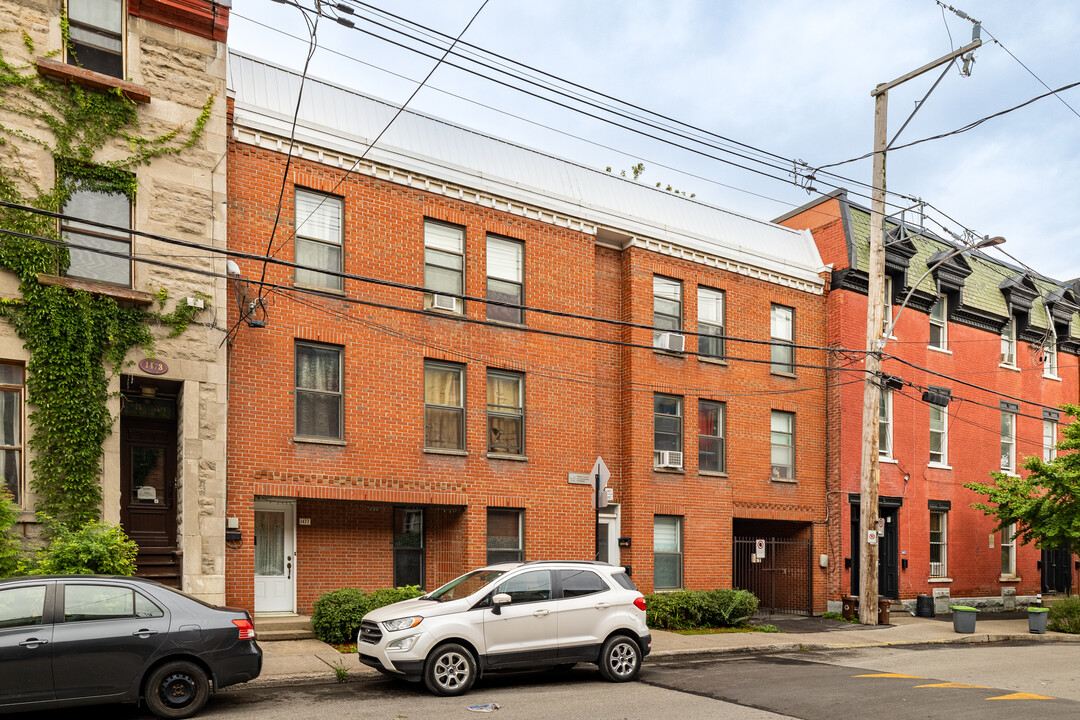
pixel 388 596
pixel 693 609
pixel 10 546
pixel 93 549
pixel 336 615
pixel 1064 615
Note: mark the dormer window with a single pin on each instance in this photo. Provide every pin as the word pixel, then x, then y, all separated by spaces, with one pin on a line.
pixel 1008 343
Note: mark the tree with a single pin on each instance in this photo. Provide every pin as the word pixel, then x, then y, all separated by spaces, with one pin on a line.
pixel 1045 505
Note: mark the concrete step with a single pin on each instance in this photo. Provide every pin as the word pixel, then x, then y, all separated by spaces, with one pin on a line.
pixel 283 627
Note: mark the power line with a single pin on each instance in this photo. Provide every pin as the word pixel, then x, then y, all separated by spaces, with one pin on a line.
pixel 1031 72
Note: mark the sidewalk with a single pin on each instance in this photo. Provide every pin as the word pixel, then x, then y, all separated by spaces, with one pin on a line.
pixel 290 662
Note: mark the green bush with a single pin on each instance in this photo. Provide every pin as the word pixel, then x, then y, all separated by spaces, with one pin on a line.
pixel 336 615
pixel 694 609
pixel 93 549
pixel 1064 615
pixel 10 547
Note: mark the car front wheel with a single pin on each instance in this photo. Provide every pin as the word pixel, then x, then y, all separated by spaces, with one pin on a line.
pixel 620 659
pixel 450 670
pixel 177 689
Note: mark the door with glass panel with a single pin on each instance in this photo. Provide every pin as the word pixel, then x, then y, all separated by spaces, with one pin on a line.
pixel 275 556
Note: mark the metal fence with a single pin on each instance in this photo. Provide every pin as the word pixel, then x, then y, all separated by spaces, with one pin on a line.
pixel 782 579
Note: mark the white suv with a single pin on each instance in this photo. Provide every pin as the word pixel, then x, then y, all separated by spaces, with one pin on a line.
pixel 511 616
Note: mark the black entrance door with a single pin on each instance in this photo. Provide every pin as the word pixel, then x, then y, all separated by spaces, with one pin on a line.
pixel 1056 570
pixel 888 550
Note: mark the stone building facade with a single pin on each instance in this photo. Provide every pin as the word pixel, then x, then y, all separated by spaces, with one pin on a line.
pixel 163 471
pixel 392 425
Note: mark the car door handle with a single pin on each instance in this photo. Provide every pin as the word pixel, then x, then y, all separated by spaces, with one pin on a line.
pixel 33 643
pixel 540 613
pixel 144 633
pixel 602 605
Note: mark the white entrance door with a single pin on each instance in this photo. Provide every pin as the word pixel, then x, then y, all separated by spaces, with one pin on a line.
pixel 609 534
pixel 275 556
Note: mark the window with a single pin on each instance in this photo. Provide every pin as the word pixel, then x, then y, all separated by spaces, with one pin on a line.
pixel 667 552
pixel 22 606
pixel 11 404
pixel 783 445
pixel 318 239
pixel 782 334
pixel 938 544
pixel 319 398
pixel 576 583
pixel 939 435
pixel 1049 440
pixel 89 261
pixel 408 547
pixel 667 306
pixel 444 406
pixel 1008 550
pixel 1008 343
pixel 711 436
pixel 506 412
pixel 667 430
pixel 505 536
pixel 885 424
pixel 104 602
pixel 938 323
pixel 444 266
pixel 886 310
pixel 534 586
pixel 95 32
pixel 504 279
pixel 710 304
pixel 1050 359
pixel 1008 442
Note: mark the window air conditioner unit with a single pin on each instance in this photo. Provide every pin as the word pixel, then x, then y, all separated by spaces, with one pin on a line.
pixel 670 341
pixel 782 472
pixel 669 459
pixel 444 302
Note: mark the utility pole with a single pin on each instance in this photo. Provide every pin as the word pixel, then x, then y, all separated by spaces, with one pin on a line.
pixel 870 471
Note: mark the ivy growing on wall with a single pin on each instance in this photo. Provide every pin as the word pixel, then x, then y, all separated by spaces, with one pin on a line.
pixel 77 340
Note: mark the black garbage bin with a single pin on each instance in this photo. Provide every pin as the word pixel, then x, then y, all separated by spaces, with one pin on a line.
pixel 924 606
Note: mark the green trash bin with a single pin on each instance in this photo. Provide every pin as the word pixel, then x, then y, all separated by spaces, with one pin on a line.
pixel 963 618
pixel 1037 620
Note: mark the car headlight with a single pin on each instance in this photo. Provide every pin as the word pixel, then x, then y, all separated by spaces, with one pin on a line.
pixel 402 623
pixel 404 643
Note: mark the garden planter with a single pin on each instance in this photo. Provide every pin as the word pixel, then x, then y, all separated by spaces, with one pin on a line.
pixel 1037 620
pixel 963 618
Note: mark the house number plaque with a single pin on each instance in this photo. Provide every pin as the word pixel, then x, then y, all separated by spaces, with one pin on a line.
pixel 153 366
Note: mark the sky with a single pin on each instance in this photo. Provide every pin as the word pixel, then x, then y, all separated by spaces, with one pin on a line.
pixel 789 78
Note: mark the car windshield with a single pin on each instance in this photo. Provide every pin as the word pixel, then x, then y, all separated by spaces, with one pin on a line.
pixel 465 585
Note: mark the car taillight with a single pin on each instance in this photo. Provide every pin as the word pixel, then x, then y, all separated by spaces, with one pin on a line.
pixel 246 628
pixel 639 603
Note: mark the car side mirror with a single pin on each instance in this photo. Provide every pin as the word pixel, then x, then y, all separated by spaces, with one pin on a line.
pixel 497 601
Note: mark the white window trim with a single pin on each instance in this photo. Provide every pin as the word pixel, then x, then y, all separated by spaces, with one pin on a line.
pixel 944 325
pixel 887 404
pixel 944 544
pixel 1049 450
pixel 1050 361
pixel 944 462
pixel 1011 469
pixel 1011 326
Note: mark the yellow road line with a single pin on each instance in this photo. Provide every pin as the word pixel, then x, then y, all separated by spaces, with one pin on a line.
pixel 891 675
pixel 955 685
pixel 1021 696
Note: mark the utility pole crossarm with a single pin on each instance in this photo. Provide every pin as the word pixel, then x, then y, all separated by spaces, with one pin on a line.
pixel 885 87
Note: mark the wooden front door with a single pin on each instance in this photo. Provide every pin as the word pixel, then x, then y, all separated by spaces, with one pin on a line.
pixel 148 485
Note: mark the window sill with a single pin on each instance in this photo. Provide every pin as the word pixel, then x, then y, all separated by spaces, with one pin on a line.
pixel 780 373
pixel 713 473
pixel 712 360
pixel 319 289
pixel 319 441
pixel 888 460
pixel 1010 578
pixel 669 471
pixel 441 451
pixel 507 456
pixel 943 351
pixel 1006 366
pixel 505 323
pixel 1055 378
pixel 98 81
pixel 938 466
pixel 95 287
pixel 443 313
pixel 669 353
pixel 785 481
pixel 939 580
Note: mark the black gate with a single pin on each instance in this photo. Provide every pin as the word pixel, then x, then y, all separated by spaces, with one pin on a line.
pixel 1056 570
pixel 782 580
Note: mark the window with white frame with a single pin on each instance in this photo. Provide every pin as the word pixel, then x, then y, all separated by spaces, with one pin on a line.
pixel 782 337
pixel 1008 550
pixel 444 266
pixel 939 536
pixel 939 435
pixel 1008 441
pixel 89 260
pixel 506 412
pixel 505 279
pixel 710 322
pixel 1008 343
pixel 96 35
pixel 11 411
pixel 1049 440
pixel 886 310
pixel 782 439
pixel 1050 359
pixel 444 406
pixel 667 431
pixel 711 436
pixel 318 240
pixel 319 396
pixel 667 552
pixel 505 535
pixel 885 424
pixel 667 306
pixel 939 322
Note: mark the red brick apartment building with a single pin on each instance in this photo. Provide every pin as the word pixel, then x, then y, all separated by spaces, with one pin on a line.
pixel 1000 343
pixel 390 427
